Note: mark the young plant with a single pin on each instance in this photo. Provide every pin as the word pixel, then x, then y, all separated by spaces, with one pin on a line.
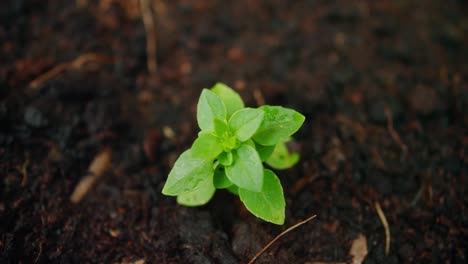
pixel 233 142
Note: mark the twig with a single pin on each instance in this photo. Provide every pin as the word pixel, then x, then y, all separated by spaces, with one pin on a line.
pixel 24 172
pixel 76 64
pixel 396 137
pixel 279 236
pixel 150 28
pixel 257 94
pixel 96 169
pixel 383 219
pixel 48 75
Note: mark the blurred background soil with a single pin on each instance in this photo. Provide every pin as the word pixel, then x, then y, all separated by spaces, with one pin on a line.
pixel 383 84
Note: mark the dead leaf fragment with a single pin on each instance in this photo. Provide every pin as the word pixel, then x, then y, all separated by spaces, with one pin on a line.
pixel 140 261
pixel 358 249
pixel 98 166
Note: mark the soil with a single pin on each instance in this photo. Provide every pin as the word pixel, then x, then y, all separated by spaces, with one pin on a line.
pixel 383 84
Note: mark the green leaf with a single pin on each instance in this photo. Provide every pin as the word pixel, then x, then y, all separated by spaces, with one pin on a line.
pixel 233 189
pixel 269 204
pixel 230 143
pixel 264 151
pixel 246 170
pixel 220 180
pixel 206 146
pixel 198 197
pixel 231 99
pixel 249 142
pixel 188 174
pixel 278 124
pixel 281 158
pixel 209 107
pixel 220 127
pixel 245 122
pixel 225 158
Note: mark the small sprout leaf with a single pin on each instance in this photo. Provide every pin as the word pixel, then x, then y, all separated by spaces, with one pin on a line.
pixel 225 158
pixel 198 197
pixel 220 180
pixel 269 204
pixel 209 107
pixel 233 189
pixel 246 170
pixel 207 147
pixel 264 151
pixel 220 127
pixel 249 142
pixel 188 174
pixel 231 99
pixel 278 124
pixel 281 159
pixel 245 122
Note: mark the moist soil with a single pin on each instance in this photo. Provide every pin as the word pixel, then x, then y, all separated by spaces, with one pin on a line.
pixel 383 85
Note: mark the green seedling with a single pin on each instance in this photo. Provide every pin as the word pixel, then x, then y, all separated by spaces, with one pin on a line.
pixel 229 152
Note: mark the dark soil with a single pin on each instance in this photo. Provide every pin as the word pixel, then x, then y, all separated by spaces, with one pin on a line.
pixel 383 84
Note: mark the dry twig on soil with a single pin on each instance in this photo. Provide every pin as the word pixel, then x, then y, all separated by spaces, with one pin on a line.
pixel 100 163
pixel 24 172
pixel 383 219
pixel 396 137
pixel 75 64
pixel 278 237
pixel 150 29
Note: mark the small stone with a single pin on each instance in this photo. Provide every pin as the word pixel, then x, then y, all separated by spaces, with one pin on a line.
pixel 235 54
pixel 34 118
pixel 186 68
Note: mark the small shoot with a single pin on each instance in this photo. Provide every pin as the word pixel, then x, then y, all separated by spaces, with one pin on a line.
pixel 229 152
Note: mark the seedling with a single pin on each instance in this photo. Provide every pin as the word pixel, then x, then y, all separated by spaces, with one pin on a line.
pixel 233 142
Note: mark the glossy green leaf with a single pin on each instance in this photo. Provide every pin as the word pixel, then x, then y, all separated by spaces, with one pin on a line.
pixel 249 142
pixel 198 197
pixel 220 127
pixel 220 179
pixel 209 107
pixel 226 158
pixel 278 124
pixel 281 158
pixel 245 122
pixel 206 146
pixel 264 151
pixel 188 174
pixel 246 170
pixel 269 204
pixel 231 99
